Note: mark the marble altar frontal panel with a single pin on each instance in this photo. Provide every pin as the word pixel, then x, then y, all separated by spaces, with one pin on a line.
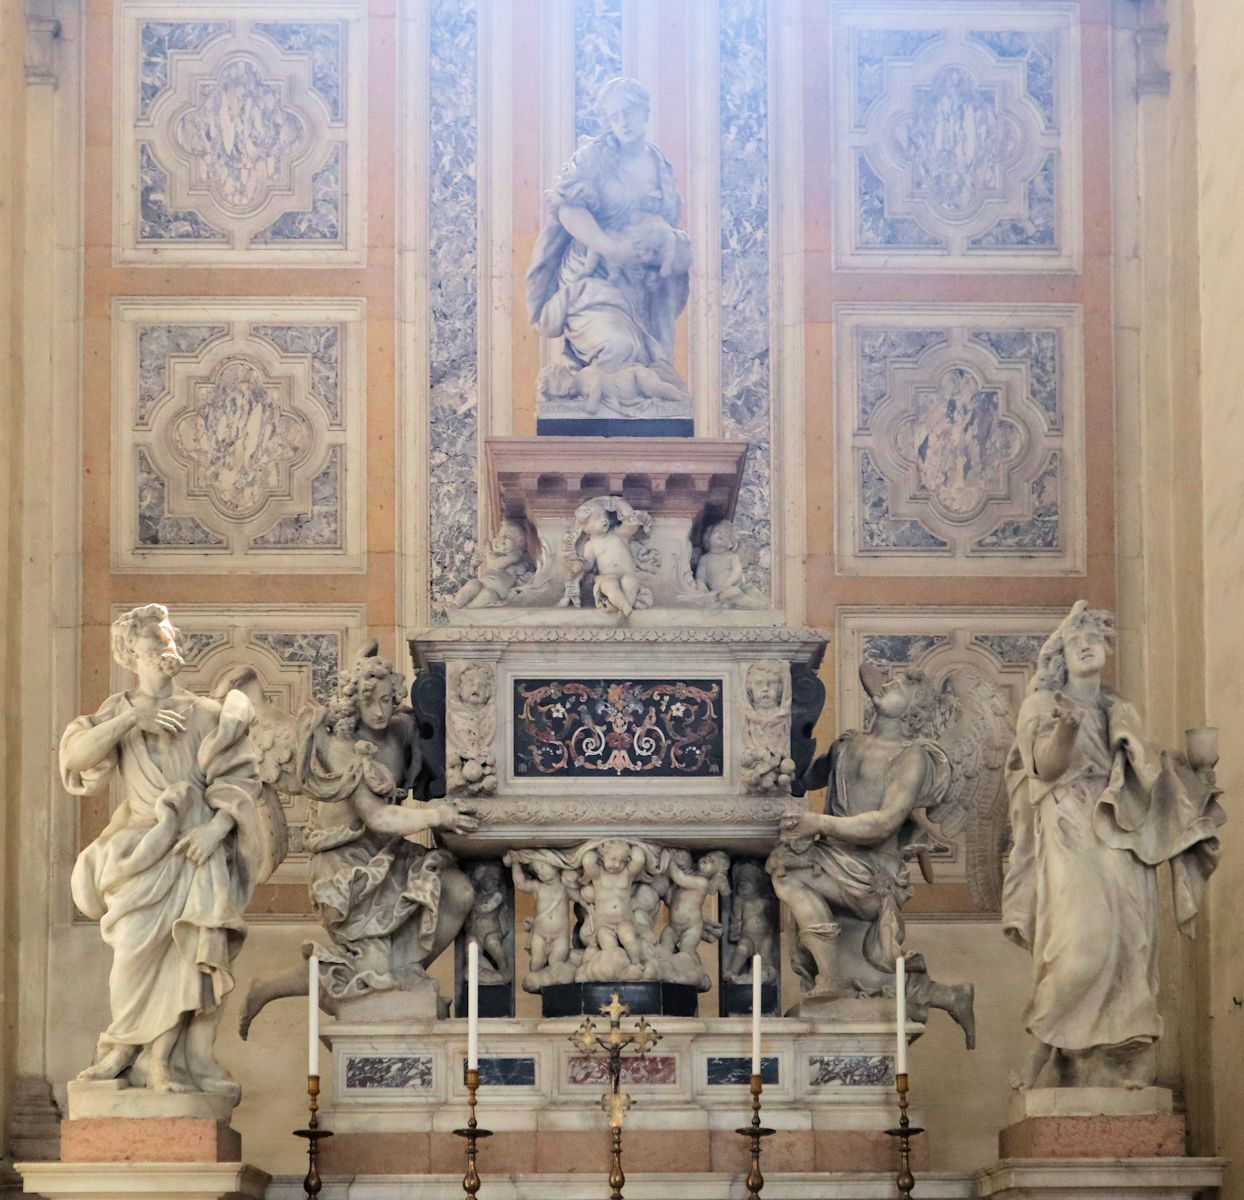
pixel 980 661
pixel 956 136
pixel 618 728
pixel 959 439
pixel 238 435
pixel 240 132
pixel 298 651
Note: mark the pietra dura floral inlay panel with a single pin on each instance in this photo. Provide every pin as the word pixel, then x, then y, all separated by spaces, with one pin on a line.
pixel 618 728
pixel 238 435
pixel 956 136
pixel 960 439
pixel 241 139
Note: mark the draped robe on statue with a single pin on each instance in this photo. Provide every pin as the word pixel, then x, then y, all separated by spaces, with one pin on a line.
pixel 868 881
pixel 610 321
pixel 1081 884
pixel 174 926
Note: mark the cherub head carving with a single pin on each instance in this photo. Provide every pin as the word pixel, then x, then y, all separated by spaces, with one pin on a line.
pixel 766 686
pixel 475 685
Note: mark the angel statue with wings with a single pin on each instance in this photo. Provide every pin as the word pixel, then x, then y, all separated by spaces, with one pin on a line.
pixel 388 903
pixel 845 873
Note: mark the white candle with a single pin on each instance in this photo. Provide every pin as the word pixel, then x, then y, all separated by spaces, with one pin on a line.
pixel 473 1006
pixel 756 1014
pixel 313 1016
pixel 900 1001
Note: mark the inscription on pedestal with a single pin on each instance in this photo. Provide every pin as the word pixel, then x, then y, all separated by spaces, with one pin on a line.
pixel 621 728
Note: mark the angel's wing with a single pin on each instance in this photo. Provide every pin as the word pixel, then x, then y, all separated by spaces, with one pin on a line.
pixel 274 737
pixel 977 729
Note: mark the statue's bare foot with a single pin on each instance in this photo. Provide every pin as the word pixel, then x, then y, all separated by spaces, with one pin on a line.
pixel 163 1084
pixel 111 1065
pixel 255 1000
pixel 221 1085
pixel 825 991
pixel 963 1011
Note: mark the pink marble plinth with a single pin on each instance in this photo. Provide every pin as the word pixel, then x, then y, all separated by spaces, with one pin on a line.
pixel 148 1139
pixel 1149 1135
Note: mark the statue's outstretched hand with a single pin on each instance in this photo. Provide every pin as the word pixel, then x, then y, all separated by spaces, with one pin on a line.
pixel 456 818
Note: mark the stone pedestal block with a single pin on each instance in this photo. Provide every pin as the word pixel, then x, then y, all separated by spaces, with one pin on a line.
pixel 150 1139
pixel 1092 1123
pixel 1140 1136
pixel 144 1181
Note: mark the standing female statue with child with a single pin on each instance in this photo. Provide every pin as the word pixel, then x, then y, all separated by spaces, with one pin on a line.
pixel 609 274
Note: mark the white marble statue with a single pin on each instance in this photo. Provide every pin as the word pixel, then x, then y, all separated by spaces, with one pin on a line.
pixel 693 883
pixel 505 565
pixel 470 729
pixel 388 903
pixel 491 922
pixel 719 574
pixel 549 931
pixel 1096 810
pixel 845 874
pixel 609 274
pixel 170 876
pixel 609 542
pixel 765 763
pixel 754 926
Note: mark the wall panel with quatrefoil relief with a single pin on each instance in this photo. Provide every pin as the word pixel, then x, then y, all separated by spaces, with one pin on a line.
pixel 240 132
pixel 960 439
pixel 238 435
pixel 956 136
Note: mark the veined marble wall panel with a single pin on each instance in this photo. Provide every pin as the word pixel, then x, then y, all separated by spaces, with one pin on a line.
pixel 297 650
pixel 453 217
pixel 960 439
pixel 956 136
pixel 238 435
pixel 240 132
pixel 980 659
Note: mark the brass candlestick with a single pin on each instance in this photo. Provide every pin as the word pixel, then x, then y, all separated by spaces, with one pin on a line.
pixel 905 1132
pixel 755 1180
pixel 472 1133
pixel 615 1102
pixel 313 1133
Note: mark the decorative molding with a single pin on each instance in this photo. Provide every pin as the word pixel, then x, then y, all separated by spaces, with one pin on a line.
pixel 239 435
pixel 960 443
pixel 956 136
pixel 240 132
pixel 298 653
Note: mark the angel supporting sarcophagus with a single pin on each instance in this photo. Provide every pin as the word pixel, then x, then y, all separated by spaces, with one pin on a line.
pixel 845 873
pixel 388 903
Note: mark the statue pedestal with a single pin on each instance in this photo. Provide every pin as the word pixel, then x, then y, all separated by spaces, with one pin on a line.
pixel 122 1141
pixel 1092 1123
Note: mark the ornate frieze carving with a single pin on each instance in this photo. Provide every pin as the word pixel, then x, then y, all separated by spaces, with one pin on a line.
pixel 956 136
pixel 241 140
pixel 960 439
pixel 470 728
pixel 238 435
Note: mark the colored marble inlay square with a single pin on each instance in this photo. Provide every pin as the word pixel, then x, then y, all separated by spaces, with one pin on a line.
pixel 505 1072
pixel 390 1072
pixel 621 728
pixel 652 1070
pixel 850 1070
pixel 723 1070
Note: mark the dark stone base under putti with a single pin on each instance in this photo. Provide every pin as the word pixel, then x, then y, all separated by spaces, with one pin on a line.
pixel 587 999
pixel 736 1000
pixel 650 427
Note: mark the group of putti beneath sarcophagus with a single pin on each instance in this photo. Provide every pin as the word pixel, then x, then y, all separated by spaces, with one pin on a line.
pixel 607 554
pixel 200 825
